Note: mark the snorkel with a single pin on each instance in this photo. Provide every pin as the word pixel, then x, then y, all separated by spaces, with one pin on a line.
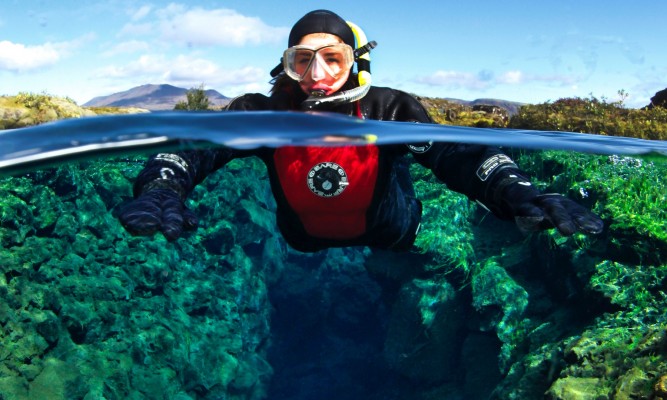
pixel 363 59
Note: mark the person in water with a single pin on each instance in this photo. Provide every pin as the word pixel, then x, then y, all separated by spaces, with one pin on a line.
pixel 348 195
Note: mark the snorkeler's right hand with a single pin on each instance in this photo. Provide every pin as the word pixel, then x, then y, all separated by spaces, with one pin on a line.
pixel 157 210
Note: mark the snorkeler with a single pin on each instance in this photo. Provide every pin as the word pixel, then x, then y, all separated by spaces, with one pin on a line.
pixel 342 196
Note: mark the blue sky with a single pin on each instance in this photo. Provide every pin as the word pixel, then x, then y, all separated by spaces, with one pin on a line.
pixel 527 51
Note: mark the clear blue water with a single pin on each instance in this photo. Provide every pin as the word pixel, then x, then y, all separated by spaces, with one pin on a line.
pixel 30 148
pixel 202 317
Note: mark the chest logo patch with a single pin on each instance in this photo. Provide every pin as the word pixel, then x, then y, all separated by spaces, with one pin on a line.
pixel 327 179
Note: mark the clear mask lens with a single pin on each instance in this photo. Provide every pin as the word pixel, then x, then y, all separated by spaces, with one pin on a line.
pixel 332 60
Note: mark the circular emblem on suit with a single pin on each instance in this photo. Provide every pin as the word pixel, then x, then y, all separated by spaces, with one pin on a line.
pixel 327 179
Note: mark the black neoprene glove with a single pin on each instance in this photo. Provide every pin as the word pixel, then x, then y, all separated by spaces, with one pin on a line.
pixel 534 211
pixel 157 210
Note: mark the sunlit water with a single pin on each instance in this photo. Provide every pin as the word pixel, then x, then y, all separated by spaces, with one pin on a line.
pixel 35 146
pixel 231 311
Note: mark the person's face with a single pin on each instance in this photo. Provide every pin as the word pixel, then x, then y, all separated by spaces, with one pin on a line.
pixel 323 82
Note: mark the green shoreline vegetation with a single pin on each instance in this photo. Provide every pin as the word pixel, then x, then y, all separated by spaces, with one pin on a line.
pixel 89 311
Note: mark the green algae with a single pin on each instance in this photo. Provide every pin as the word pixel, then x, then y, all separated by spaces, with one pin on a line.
pixel 501 301
pixel 574 388
pixel 114 310
pixel 627 192
pixel 425 331
pixel 90 311
pixel 624 267
pixel 446 231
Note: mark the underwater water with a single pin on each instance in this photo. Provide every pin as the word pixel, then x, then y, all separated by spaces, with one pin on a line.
pixel 477 310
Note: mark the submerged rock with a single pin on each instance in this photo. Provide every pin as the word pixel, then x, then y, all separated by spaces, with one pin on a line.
pixel 572 388
pixel 426 332
pixel 89 311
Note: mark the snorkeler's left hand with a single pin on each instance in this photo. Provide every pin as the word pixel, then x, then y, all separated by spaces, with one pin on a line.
pixel 546 211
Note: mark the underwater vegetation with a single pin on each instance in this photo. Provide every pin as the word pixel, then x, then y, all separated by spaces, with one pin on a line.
pixel 90 312
pixel 477 311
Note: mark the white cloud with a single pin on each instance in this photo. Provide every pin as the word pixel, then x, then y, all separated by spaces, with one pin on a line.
pixel 140 13
pixel 253 87
pixel 181 70
pixel 197 71
pixel 19 58
pixel 512 77
pixel 145 65
pixel 202 27
pixel 219 27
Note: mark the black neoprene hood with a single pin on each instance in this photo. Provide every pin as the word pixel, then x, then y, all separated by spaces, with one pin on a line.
pixel 321 21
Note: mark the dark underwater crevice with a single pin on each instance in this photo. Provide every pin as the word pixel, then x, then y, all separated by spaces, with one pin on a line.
pixel 328 334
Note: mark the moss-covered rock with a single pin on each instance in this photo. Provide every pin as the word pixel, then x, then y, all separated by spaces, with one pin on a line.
pixel 501 302
pixel 26 109
pixel 571 388
pixel 426 331
pixel 121 317
pixel 88 310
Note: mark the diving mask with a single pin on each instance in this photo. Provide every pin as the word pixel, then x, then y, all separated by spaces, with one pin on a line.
pixel 333 60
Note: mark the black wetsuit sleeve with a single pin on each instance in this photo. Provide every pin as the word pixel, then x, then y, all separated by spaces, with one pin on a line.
pixel 182 171
pixel 473 170
pixel 476 171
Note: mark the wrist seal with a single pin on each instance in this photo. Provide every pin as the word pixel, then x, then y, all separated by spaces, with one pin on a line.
pixel 164 184
pixel 493 164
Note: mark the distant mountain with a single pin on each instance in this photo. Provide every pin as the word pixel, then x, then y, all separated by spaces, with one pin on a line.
pixel 164 97
pixel 511 106
pixel 153 97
